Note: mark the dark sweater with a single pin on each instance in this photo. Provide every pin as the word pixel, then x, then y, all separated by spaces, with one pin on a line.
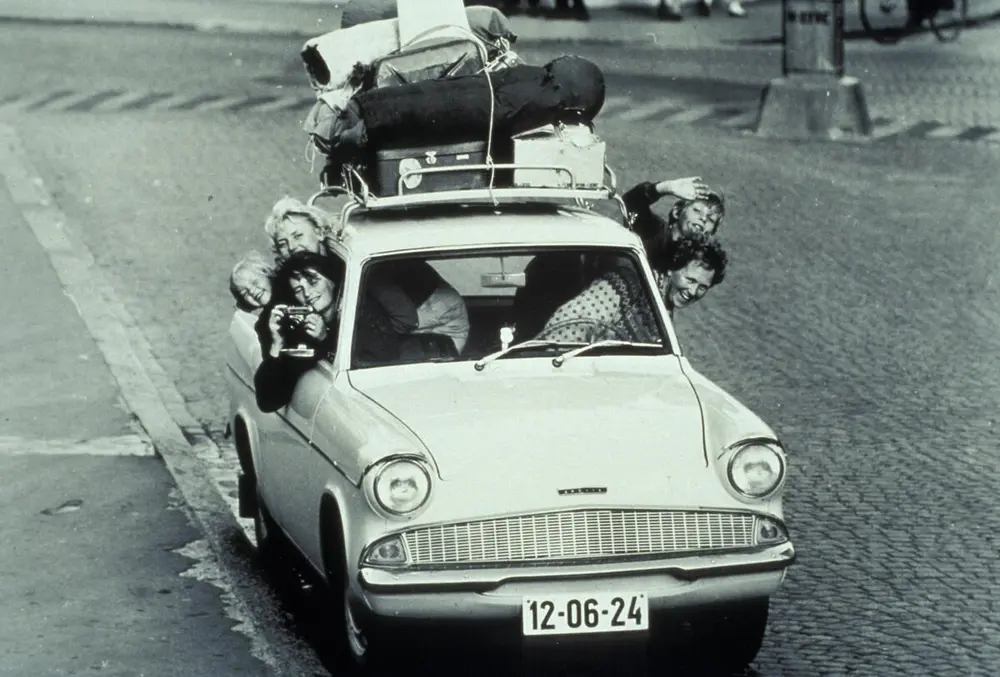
pixel 275 379
pixel 638 203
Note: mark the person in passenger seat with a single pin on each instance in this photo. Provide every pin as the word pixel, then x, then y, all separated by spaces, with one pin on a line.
pixel 441 309
pixel 616 305
pixel 551 279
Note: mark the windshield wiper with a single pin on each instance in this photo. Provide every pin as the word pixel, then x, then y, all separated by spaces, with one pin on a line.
pixel 611 343
pixel 526 345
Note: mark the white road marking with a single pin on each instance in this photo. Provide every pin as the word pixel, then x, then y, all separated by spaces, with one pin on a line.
pixel 613 102
pixel 944 132
pixel 122 100
pixel 174 100
pixel 690 115
pixel 146 389
pixel 283 103
pixel 745 119
pixel 26 102
pixel 224 102
pixel 124 445
pixel 648 110
pixel 892 128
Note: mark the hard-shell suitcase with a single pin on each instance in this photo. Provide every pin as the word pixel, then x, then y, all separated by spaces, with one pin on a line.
pixel 391 164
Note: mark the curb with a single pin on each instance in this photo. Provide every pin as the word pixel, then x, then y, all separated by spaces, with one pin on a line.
pixel 193 460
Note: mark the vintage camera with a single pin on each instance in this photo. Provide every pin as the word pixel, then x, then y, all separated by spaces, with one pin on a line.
pixel 292 329
pixel 295 317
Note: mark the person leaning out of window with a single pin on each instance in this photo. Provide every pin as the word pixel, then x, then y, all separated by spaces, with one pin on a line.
pixel 292 343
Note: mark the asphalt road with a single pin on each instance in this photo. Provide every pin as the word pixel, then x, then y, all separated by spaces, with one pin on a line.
pixel 861 317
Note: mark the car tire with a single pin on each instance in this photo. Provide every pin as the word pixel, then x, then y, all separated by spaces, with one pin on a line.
pixel 737 635
pixel 269 542
pixel 354 644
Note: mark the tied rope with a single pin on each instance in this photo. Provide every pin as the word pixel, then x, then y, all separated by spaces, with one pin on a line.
pixel 489 81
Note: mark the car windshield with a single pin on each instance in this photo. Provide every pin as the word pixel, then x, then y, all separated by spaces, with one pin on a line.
pixel 469 306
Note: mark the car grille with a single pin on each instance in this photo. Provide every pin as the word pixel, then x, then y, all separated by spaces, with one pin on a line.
pixel 580 534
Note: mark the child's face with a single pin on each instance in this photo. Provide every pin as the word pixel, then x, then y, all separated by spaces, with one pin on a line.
pixel 254 287
pixel 698 217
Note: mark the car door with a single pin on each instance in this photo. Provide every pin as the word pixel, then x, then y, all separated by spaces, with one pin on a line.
pixel 290 472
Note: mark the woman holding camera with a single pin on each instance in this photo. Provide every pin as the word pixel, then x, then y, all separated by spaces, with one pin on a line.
pixel 294 337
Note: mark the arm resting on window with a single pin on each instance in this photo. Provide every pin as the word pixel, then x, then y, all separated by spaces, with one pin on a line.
pixel 275 381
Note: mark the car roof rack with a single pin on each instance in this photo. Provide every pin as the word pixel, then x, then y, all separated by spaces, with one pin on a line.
pixel 363 199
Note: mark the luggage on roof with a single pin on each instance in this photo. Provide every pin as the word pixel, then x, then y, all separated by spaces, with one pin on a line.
pixel 388 113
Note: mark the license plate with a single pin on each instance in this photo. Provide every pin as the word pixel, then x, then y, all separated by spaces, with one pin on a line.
pixel 585 613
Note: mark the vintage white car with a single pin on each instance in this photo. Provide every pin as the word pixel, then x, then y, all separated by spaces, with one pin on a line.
pixel 550 488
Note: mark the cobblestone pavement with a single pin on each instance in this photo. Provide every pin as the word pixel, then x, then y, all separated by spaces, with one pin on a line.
pixel 861 317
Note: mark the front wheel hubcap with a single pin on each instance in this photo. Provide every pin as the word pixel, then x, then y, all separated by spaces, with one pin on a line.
pixel 355 638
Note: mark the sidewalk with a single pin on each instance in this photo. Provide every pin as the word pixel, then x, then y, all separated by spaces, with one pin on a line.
pixel 634 25
pixel 102 571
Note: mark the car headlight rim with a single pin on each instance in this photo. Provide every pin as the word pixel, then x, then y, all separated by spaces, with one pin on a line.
pixel 744 448
pixel 386 467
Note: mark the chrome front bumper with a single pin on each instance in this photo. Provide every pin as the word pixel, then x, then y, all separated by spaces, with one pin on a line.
pixel 488 594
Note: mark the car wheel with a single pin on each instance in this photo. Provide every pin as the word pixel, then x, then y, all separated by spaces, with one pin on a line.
pixel 267 534
pixel 355 640
pixel 737 635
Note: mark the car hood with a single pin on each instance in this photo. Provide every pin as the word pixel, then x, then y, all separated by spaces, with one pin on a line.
pixel 580 425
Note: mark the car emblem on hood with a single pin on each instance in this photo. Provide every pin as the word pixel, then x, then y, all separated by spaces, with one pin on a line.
pixel 583 490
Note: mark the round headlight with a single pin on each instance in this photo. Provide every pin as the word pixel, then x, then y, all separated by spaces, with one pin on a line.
pixel 756 470
pixel 402 486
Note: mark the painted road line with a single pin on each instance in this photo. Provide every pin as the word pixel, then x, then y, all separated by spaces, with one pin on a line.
pixel 36 101
pixel 197 101
pixel 943 132
pixel 84 103
pixel 613 102
pixel 124 445
pixel 975 133
pixel 746 119
pixel 892 128
pixel 693 114
pixel 173 101
pixel 648 110
pixel 147 100
pixel 286 103
pixel 223 103
pixel 124 101
pixel 149 395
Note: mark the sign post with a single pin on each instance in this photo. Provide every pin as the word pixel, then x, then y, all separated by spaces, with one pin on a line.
pixel 813 98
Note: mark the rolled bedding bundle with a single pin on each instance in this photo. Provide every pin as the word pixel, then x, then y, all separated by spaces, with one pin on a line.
pixel 507 102
pixel 370 31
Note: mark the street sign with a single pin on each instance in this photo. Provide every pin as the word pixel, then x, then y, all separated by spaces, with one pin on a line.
pixel 812 37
